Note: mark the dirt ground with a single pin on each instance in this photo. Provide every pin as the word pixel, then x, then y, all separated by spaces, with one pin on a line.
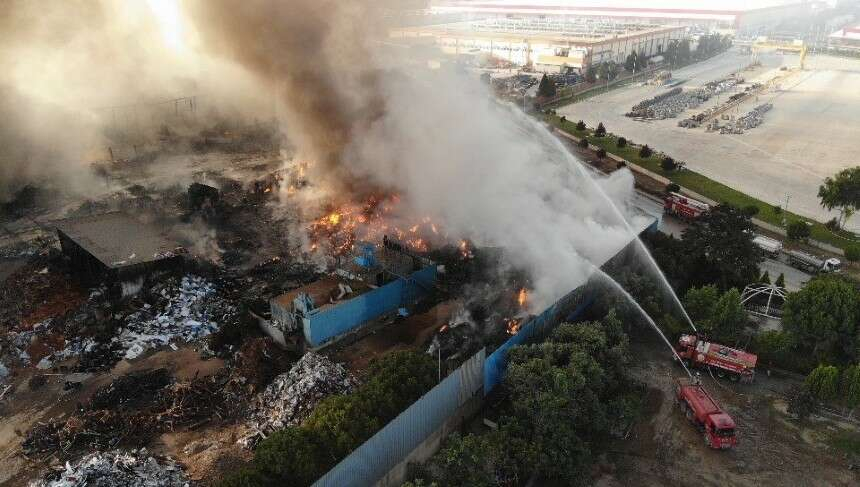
pixel 52 401
pixel 773 450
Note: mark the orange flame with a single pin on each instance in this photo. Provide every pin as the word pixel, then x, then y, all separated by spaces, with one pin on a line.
pixel 513 325
pixel 522 297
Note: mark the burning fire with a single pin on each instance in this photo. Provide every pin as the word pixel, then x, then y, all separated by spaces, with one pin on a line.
pixel 342 227
pixel 466 250
pixel 513 325
pixel 522 297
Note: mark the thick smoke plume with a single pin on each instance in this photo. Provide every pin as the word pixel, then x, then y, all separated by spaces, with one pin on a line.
pixel 369 116
pixel 81 76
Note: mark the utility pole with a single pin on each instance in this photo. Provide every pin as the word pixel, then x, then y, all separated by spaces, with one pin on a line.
pixel 785 210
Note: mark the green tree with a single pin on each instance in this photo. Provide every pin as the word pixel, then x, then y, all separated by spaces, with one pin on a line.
pixel 822 317
pixel 583 142
pixel 765 278
pixel 842 191
pixel 721 316
pixel 632 62
pixel 600 131
pixel 699 302
pixel 645 152
pixel 684 55
pixel 719 249
pixel 823 382
pixel 798 230
pixel 776 347
pixel 546 88
pixel 580 126
pixel 780 281
pixel 850 386
pixel 621 142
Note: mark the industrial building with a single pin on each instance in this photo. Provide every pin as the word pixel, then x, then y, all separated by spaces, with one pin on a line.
pixel 735 16
pixel 117 248
pixel 553 47
pixel 845 38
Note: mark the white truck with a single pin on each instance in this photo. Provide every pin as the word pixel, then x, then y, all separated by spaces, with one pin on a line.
pixel 770 246
pixel 811 263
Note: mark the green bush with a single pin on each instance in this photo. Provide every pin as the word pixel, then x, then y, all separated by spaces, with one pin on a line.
pixel 621 142
pixel 668 164
pixel 798 230
pixel 765 278
pixel 583 142
pixel 645 152
pixel 563 119
pixel 780 281
pixel 600 131
pixel 580 126
pixel 852 253
pixel 750 210
pixel 673 188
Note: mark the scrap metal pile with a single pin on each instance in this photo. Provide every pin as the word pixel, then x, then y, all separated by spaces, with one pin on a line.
pixel 752 119
pixel 292 396
pixel 675 101
pixel 132 468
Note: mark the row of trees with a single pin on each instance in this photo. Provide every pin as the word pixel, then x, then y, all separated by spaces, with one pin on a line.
pixel 299 455
pixel 828 383
pixel 564 398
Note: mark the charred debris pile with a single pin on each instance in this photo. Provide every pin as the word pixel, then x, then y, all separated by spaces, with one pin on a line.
pixel 101 321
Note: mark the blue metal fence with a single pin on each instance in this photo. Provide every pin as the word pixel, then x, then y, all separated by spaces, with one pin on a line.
pixel 328 323
pixel 567 308
pixel 394 442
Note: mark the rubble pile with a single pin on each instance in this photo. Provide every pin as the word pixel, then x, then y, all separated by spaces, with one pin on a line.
pixel 292 396
pixel 189 310
pixel 133 468
pixel 752 119
pixel 675 101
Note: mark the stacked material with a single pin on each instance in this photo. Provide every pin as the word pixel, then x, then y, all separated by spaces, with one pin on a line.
pixel 750 120
pixel 292 396
pixel 133 468
pixel 675 101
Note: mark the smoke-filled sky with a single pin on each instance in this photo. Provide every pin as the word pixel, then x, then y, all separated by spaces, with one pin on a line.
pixel 345 100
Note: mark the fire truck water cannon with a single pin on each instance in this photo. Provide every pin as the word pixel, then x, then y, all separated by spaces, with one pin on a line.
pixel 717 427
pixel 723 361
pixel 684 207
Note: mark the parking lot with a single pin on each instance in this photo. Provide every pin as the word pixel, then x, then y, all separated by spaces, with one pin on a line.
pixel 806 137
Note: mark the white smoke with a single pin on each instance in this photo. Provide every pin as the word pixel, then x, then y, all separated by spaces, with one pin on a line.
pixel 495 176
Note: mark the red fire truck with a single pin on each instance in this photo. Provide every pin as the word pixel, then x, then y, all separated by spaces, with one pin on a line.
pixel 722 360
pixel 717 427
pixel 684 207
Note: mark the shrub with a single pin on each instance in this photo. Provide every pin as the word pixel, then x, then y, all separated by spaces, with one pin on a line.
pixel 601 130
pixel 673 188
pixel 601 153
pixel 777 209
pixel 798 230
pixel 583 142
pixel 563 119
pixel 750 210
pixel 765 278
pixel 645 152
pixel 668 164
pixel 832 224
pixel 580 126
pixel 852 253
pixel 621 142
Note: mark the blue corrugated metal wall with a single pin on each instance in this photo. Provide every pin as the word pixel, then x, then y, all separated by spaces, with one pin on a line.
pixel 324 325
pixel 567 308
pixel 394 442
